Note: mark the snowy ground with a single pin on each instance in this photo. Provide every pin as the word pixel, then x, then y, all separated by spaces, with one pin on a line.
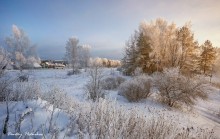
pixel 206 114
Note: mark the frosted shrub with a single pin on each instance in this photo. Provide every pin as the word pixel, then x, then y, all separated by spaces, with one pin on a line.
pixel 93 88
pixel 103 119
pixel 23 91
pixel 176 90
pixel 13 90
pixel 59 99
pixel 113 82
pixel 136 89
pixel 73 72
pixel 6 85
pixel 56 98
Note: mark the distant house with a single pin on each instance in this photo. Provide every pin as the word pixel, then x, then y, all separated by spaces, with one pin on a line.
pixel 59 66
pixel 56 64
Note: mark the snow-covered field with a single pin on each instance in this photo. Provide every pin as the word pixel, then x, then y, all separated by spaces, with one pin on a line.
pixel 36 113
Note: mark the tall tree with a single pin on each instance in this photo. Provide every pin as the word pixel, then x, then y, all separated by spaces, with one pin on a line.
pixel 208 57
pixel 144 49
pixel 84 56
pixel 188 62
pixel 72 53
pixel 129 62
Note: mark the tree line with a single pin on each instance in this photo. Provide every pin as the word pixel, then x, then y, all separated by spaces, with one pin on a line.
pixel 20 53
pixel 159 44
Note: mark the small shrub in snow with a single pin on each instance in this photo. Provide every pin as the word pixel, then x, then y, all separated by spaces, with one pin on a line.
pixel 23 91
pixel 59 99
pixel 113 82
pixel 23 78
pixel 94 88
pixel 177 90
pixel 12 90
pixel 73 72
pixel 6 88
pixel 136 89
pixel 138 72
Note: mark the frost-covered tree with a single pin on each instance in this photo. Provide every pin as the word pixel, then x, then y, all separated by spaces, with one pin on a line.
pixel 158 45
pixel 208 57
pixel 20 48
pixel 77 55
pixel 72 53
pixel 84 56
pixel 162 37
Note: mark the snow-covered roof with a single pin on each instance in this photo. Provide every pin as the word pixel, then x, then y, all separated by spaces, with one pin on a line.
pixel 36 65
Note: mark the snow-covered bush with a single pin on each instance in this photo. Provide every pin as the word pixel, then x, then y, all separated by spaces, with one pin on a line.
pixel 59 99
pixel 103 119
pixel 23 91
pixel 136 89
pixel 112 82
pixel 94 88
pixel 3 60
pixel 6 85
pixel 138 72
pixel 23 78
pixel 73 72
pixel 56 98
pixel 176 90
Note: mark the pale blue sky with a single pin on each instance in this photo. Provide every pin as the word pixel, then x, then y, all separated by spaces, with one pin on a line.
pixel 104 24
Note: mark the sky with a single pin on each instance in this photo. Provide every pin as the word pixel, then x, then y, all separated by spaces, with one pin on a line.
pixel 103 24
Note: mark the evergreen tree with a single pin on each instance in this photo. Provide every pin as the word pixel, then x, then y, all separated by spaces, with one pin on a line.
pixel 129 62
pixel 208 57
pixel 144 50
pixel 188 62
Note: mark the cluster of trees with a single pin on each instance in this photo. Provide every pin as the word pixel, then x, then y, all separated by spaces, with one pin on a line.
pixel 77 55
pixel 20 51
pixel 159 44
pixel 105 62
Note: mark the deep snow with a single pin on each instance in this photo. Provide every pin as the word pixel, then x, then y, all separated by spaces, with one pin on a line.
pixel 206 114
